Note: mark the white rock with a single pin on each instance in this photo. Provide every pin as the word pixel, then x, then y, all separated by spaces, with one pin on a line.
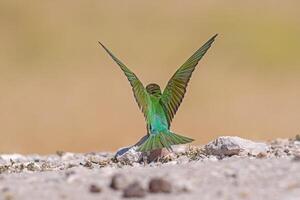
pixel 229 146
pixel 67 156
pixel 297 143
pixel 128 155
pixel 180 148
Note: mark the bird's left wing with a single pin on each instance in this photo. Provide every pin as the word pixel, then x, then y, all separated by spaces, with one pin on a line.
pixel 176 87
pixel 139 91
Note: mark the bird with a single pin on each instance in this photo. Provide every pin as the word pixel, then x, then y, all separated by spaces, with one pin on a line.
pixel 159 108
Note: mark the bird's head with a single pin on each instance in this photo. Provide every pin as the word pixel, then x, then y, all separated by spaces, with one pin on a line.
pixel 153 89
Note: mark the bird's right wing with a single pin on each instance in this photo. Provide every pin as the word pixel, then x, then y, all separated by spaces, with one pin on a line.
pixel 176 87
pixel 139 91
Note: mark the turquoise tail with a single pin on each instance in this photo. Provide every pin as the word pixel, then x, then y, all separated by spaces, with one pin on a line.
pixel 163 140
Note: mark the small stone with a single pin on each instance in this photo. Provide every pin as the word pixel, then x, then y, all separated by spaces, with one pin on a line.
pixel 95 189
pixel 296 158
pixel 3 168
pixel 45 166
pixel 67 156
pixel 88 164
pixel 261 155
pixel 69 173
pixel 297 142
pixel 70 165
pixel 286 150
pixel 180 149
pixel 297 138
pixel 105 162
pixel 157 185
pixel 118 182
pixel 134 190
pixel 230 174
pixel 184 189
pixel 32 167
pixel 60 153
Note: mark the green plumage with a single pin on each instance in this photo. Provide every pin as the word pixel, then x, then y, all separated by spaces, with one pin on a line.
pixel 160 108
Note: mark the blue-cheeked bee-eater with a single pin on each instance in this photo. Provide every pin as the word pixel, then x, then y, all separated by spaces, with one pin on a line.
pixel 159 107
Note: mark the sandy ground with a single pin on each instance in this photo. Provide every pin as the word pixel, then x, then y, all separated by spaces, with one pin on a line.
pixel 191 173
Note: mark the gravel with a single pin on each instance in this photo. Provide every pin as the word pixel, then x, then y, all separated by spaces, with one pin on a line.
pixel 157 185
pixel 134 190
pixel 190 172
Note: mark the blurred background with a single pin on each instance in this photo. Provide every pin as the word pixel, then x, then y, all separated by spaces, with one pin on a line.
pixel 61 91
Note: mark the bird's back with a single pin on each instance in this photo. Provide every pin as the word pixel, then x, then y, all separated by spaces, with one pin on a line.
pixel 156 116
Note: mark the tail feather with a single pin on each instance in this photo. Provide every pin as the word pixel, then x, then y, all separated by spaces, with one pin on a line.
pixel 182 139
pixel 157 143
pixel 163 140
pixel 145 145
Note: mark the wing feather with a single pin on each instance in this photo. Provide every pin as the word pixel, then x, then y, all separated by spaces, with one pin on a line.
pixel 139 91
pixel 176 87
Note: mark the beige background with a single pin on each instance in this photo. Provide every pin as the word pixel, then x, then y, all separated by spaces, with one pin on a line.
pixel 61 91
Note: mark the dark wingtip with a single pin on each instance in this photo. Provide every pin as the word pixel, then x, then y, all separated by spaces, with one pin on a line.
pixel 101 44
pixel 104 47
pixel 213 37
pixel 211 40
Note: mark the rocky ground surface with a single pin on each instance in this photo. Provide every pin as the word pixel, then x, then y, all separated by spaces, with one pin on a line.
pixel 226 168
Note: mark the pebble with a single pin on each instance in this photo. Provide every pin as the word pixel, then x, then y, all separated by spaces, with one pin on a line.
pixel 88 164
pixel 262 155
pixel 296 158
pixel 118 182
pixel 69 173
pixel 297 138
pixel 95 189
pixel 60 153
pixel 134 190
pixel 158 185
pixel 32 167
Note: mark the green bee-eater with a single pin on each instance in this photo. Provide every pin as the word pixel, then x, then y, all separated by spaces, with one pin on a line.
pixel 159 108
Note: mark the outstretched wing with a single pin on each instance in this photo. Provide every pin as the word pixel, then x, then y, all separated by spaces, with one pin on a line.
pixel 140 93
pixel 176 87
